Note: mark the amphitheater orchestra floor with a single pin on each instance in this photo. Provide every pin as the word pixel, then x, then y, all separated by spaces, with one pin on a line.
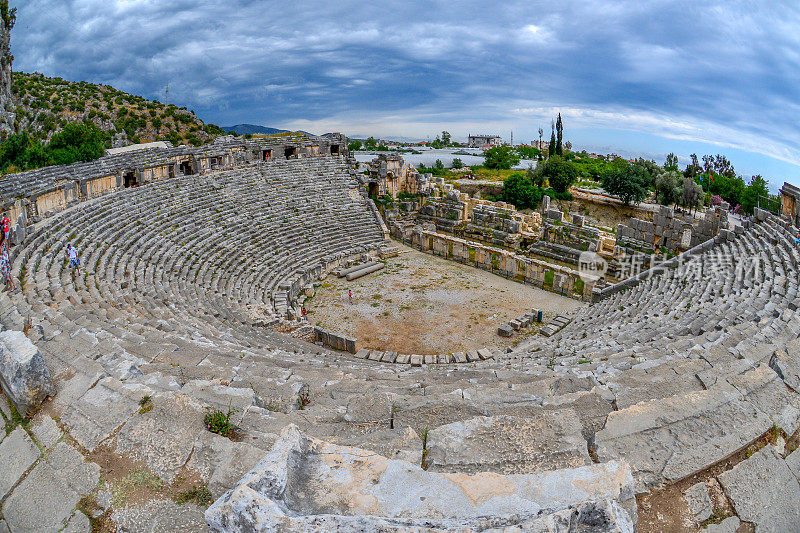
pixel 425 304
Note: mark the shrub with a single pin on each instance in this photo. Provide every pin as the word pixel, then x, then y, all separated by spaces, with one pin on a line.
pixel 520 192
pixel 560 173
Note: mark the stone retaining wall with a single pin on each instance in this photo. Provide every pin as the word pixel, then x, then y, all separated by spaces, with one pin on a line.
pixel 502 262
pixel 335 340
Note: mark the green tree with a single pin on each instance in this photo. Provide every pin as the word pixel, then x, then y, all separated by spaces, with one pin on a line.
pixel 559 173
pixel 668 186
pixel 355 145
pixel 457 163
pixel 446 138
pixel 626 181
pixel 551 149
pixel 500 157
pixel 559 136
pixel 756 188
pixel 649 170
pixel 691 193
pixel 693 169
pixel 23 152
pixel 76 142
pixel 438 165
pixel 371 143
pixel 671 164
pixel 535 175
pixel 520 192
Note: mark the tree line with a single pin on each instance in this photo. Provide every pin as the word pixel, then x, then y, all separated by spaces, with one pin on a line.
pixel 75 142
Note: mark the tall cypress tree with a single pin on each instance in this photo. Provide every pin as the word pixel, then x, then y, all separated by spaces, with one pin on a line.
pixel 559 136
pixel 551 150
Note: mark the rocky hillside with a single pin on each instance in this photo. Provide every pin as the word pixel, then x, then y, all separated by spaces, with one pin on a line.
pixel 45 105
pixel 8 17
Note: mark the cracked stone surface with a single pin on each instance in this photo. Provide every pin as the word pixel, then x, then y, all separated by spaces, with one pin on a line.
pixel 764 491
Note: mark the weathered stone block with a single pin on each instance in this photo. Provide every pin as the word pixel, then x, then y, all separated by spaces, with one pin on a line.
pixel 764 491
pixel 24 376
pixel 509 445
pixel 669 439
pixel 304 484
pixel 17 454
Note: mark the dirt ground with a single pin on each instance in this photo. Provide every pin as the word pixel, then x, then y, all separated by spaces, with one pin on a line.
pixel 423 304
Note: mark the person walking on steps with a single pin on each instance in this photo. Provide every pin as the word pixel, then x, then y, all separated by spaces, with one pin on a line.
pixel 5 263
pixel 74 261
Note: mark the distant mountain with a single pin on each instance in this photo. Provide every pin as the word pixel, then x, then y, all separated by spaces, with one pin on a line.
pixel 244 129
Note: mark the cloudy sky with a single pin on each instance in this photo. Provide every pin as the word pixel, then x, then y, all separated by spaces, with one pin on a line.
pixel 634 77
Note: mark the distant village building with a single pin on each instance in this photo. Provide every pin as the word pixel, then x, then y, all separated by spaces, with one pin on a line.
pixel 544 146
pixel 481 141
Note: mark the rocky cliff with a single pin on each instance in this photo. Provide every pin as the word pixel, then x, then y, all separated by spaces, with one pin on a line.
pixel 8 17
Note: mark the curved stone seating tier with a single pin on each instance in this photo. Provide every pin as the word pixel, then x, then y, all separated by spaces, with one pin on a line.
pixel 667 377
pixel 232 233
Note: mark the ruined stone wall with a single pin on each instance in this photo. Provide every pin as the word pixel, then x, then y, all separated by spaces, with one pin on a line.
pixel 392 176
pixel 99 186
pixel 670 232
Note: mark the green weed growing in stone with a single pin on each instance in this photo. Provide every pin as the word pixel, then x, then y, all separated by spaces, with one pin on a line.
pixel 145 404
pixel 423 434
pixel 219 422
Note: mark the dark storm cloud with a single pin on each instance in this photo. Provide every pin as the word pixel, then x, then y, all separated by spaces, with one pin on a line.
pixel 724 72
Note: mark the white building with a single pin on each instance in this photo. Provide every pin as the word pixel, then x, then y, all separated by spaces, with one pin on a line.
pixel 481 141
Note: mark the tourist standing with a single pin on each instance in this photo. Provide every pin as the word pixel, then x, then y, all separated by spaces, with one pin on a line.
pixel 5 224
pixel 5 263
pixel 74 261
pixel 350 296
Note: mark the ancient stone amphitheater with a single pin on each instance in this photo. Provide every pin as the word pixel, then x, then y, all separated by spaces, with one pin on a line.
pixel 674 397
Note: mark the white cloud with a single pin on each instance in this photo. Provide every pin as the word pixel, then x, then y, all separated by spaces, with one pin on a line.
pixel 719 71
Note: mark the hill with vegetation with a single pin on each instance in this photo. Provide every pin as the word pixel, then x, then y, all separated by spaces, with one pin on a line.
pixel 61 122
pixel 46 105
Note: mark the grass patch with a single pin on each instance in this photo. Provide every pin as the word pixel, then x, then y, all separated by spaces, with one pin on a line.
pixel 423 435
pixel 15 420
pixel 136 480
pixel 199 496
